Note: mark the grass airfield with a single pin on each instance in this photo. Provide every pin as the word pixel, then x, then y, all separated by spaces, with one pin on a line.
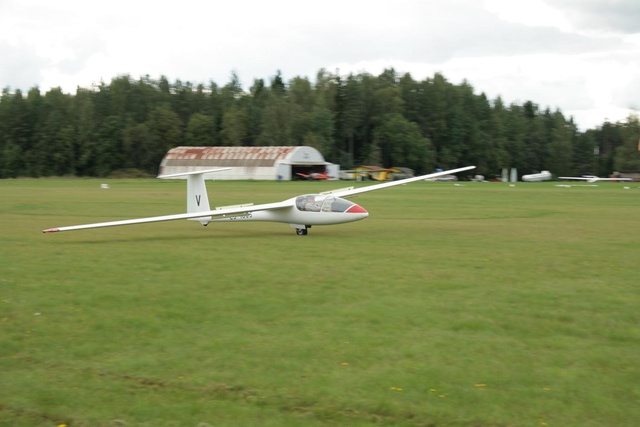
pixel 478 304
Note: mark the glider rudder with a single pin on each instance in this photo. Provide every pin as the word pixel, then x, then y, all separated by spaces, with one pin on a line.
pixel 197 198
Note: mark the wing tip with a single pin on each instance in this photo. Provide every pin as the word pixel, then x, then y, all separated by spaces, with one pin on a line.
pixel 51 230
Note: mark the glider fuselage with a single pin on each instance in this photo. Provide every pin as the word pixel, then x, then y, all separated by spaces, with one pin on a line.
pixel 309 209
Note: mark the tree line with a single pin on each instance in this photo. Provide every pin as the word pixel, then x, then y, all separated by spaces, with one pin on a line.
pixel 128 125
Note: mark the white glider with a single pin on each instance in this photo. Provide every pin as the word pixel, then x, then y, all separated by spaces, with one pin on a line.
pixel 537 177
pixel 592 178
pixel 300 212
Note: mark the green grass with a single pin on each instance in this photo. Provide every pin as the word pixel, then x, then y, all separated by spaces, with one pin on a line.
pixel 471 305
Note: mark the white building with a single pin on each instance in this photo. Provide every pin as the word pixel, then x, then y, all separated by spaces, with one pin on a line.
pixel 261 163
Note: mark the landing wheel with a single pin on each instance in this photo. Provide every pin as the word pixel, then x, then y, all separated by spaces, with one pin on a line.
pixel 301 231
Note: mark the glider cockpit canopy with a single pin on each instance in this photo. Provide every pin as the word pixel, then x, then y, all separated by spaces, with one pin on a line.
pixel 322 203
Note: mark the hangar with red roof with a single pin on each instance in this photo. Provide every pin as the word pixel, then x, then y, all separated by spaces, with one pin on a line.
pixel 259 163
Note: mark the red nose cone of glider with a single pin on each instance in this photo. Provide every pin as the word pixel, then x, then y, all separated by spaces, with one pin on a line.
pixel 357 209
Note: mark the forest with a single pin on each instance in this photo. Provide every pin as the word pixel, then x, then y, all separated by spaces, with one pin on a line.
pixel 126 126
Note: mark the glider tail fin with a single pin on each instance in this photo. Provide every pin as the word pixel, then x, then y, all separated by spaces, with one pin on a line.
pixel 197 198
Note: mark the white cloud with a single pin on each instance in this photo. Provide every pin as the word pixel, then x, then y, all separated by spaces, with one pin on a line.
pixel 532 13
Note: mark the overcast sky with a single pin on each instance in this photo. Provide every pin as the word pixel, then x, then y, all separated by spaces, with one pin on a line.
pixel 581 56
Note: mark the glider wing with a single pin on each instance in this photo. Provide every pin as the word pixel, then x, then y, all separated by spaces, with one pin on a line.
pixel 215 213
pixel 346 193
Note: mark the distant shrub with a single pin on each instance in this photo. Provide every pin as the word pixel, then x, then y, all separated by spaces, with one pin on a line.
pixel 130 173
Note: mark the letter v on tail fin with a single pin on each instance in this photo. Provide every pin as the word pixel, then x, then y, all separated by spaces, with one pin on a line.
pixel 197 199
